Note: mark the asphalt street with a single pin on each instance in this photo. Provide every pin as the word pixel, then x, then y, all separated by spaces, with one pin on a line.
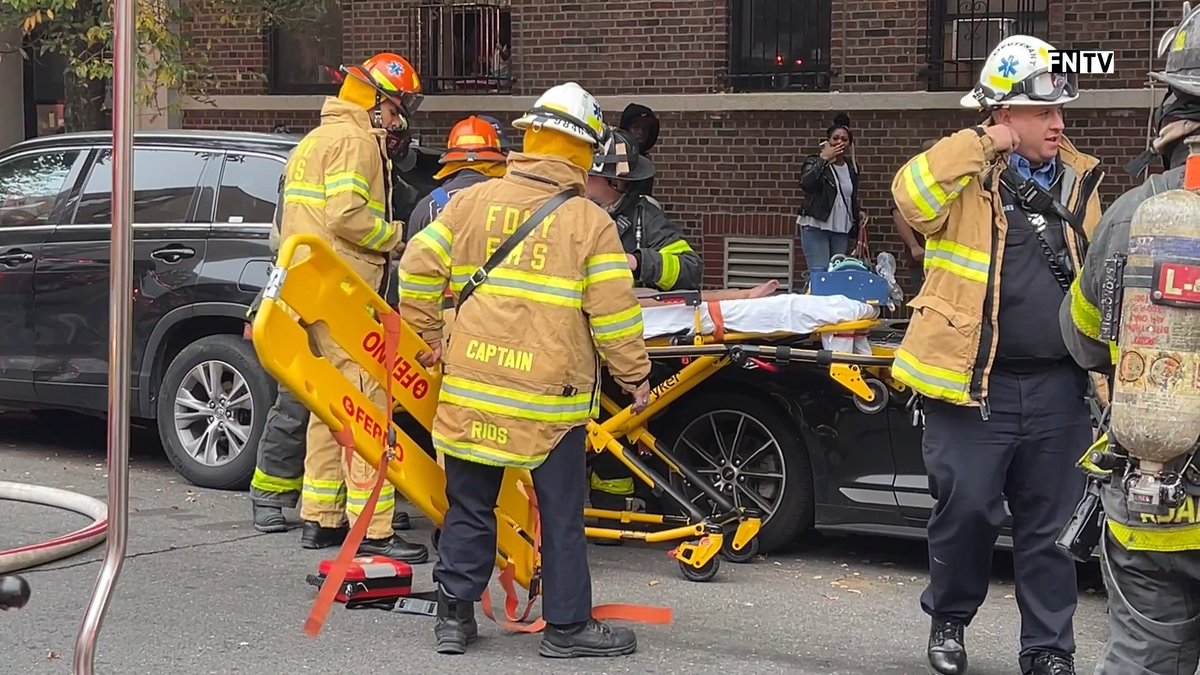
pixel 202 592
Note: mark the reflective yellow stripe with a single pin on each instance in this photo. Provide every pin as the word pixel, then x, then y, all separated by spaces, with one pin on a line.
pixel 622 487
pixel 925 192
pixel 1156 539
pixel 930 380
pixel 543 288
pixel 1114 352
pixel 671 265
pixel 350 181
pixel 356 500
pixel 613 327
pixel 606 267
pixel 324 491
pixel 419 287
pixel 1084 314
pixel 670 272
pixel 269 483
pixel 308 194
pixel 481 454
pixel 516 404
pixel 963 261
pixel 437 238
pixel 379 236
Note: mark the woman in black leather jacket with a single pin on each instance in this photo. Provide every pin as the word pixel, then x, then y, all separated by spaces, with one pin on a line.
pixel 831 214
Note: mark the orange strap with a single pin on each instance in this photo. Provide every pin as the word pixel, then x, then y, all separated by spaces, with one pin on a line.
pixel 345 437
pixel 1191 175
pixel 718 319
pixel 517 624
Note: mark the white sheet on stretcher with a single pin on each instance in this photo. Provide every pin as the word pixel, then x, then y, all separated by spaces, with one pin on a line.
pixel 788 313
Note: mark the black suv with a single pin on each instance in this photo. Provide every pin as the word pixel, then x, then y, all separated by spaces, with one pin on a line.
pixel 202 207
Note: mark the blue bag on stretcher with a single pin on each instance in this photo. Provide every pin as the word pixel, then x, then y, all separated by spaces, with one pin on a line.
pixel 853 279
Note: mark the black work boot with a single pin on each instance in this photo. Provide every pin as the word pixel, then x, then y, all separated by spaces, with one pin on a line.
pixel 587 639
pixel 401 521
pixel 947 649
pixel 1052 663
pixel 455 627
pixel 395 548
pixel 269 519
pixel 315 536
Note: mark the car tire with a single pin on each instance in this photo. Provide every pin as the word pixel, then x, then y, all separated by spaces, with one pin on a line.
pixel 234 363
pixel 794 506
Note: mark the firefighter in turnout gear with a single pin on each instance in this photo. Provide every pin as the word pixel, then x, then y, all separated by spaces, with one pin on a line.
pixel 658 255
pixel 473 155
pixel 279 468
pixel 542 290
pixel 1005 207
pixel 338 188
pixel 1150 556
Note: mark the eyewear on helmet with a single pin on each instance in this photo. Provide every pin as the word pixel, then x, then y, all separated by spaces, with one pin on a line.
pixel 409 102
pixel 1041 86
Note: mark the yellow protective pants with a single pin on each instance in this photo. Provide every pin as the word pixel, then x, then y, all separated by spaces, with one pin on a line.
pixel 327 466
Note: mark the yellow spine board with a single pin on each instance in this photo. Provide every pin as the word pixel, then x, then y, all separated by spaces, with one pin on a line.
pixel 320 287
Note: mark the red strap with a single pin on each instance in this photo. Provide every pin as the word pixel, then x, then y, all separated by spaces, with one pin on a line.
pixel 862 248
pixel 718 319
pixel 337 573
pixel 516 624
pixel 345 437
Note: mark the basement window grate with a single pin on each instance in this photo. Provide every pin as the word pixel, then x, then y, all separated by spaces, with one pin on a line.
pixel 750 261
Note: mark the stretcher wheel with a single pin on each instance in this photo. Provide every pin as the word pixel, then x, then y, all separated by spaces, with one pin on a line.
pixel 881 397
pixel 739 557
pixel 707 572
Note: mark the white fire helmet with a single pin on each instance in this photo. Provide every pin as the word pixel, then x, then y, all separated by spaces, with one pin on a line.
pixel 1017 72
pixel 567 108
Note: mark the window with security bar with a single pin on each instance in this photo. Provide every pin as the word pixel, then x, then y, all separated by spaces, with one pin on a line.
pixel 779 45
pixel 304 57
pixel 750 261
pixel 464 48
pixel 962 33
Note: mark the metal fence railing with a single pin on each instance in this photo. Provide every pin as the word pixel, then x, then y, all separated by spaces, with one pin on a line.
pixel 464 48
pixel 962 32
pixel 779 45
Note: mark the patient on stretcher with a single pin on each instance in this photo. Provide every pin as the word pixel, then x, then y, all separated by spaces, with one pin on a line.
pixel 760 291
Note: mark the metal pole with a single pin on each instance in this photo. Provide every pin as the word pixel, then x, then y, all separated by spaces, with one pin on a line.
pixel 120 308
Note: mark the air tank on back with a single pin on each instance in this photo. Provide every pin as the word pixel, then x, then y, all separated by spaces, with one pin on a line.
pixel 1155 413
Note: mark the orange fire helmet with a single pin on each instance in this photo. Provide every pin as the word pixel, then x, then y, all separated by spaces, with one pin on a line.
pixel 392 77
pixel 473 140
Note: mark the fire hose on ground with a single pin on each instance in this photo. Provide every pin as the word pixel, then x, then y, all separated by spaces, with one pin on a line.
pixel 65 546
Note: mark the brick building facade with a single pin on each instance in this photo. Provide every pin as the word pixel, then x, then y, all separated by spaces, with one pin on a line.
pixel 731 144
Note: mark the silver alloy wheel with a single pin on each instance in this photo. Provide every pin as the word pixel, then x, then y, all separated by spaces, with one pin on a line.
pixel 739 456
pixel 214 412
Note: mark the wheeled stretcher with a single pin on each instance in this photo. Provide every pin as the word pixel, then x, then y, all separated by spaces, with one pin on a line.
pixel 704 338
pixel 322 288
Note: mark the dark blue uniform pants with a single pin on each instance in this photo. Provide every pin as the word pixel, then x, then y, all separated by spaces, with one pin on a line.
pixel 467 547
pixel 1038 427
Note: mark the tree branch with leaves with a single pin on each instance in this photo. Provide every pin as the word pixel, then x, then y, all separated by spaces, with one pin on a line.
pixel 81 32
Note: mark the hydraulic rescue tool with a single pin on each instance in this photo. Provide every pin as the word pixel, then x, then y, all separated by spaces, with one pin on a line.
pixel 1150 306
